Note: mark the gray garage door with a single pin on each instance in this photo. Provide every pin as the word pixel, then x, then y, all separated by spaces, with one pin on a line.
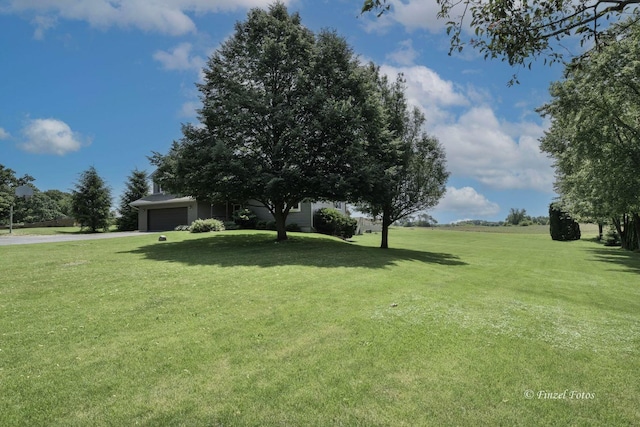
pixel 166 219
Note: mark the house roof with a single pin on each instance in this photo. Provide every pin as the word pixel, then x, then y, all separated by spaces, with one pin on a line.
pixel 161 198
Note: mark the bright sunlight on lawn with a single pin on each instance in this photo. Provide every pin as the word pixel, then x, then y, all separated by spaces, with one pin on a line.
pixel 447 328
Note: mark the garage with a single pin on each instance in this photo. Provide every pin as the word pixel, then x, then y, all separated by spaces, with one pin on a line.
pixel 166 219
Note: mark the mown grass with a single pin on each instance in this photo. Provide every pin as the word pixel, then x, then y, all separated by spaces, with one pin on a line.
pixel 446 328
pixel 46 231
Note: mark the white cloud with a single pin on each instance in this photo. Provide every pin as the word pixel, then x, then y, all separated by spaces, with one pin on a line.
pixel 500 155
pixel 42 24
pixel 179 58
pixel 467 202
pixel 189 109
pixel 426 86
pixel 428 91
pixel 412 15
pixel 405 55
pixel 163 16
pixel 50 136
pixel 418 14
pixel 4 134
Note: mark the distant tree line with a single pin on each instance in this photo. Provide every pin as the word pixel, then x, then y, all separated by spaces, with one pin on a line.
pixel 89 203
pixel 42 206
pixel 520 217
pixel 419 220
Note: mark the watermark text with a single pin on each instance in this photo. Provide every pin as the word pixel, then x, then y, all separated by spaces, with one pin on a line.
pixel 559 395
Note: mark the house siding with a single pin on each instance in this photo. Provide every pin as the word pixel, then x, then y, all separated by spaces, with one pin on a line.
pixel 143 212
pixel 303 218
pixel 223 211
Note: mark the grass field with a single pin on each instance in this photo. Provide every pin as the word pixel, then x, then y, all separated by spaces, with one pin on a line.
pixel 446 328
pixel 44 231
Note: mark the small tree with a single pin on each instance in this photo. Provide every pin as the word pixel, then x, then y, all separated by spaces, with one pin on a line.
pixel 561 226
pixel 91 201
pixel 404 167
pixel 516 216
pixel 137 188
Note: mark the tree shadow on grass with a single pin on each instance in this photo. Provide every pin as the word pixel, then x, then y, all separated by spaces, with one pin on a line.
pixel 261 250
pixel 628 259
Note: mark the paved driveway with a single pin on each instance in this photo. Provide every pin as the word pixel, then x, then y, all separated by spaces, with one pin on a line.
pixel 12 239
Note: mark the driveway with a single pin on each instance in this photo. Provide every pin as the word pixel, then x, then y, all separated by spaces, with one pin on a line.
pixel 12 239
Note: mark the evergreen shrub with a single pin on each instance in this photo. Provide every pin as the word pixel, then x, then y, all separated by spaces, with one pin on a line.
pixel 334 223
pixel 245 218
pixel 206 225
pixel 561 226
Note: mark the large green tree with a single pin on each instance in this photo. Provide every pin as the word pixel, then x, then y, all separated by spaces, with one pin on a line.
pixel 8 183
pixel 42 206
pixel 39 207
pixel 518 32
pixel 91 201
pixel 63 200
pixel 283 112
pixel 137 187
pixel 404 167
pixel 594 137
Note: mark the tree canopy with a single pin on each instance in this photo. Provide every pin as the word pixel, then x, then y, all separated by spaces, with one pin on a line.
pixel 8 183
pixel 519 32
pixel 40 207
pixel 284 111
pixel 594 137
pixel 43 206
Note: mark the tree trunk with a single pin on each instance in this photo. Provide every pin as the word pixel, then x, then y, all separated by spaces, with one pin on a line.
pixel 280 219
pixel 600 225
pixel 636 225
pixel 616 223
pixel 386 221
pixel 623 231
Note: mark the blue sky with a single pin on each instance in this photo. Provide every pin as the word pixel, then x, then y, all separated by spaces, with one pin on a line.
pixel 104 83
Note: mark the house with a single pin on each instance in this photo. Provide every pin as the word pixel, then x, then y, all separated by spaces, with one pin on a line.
pixel 161 211
pixel 367 225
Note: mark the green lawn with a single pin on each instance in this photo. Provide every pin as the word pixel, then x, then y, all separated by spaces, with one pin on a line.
pixel 233 329
pixel 45 231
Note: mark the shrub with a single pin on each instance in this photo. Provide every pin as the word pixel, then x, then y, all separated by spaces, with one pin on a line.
pixel 334 223
pixel 206 225
pixel 181 228
pixel 293 227
pixel 561 226
pixel 231 225
pixel 261 225
pixel 270 225
pixel 245 218
pixel 611 238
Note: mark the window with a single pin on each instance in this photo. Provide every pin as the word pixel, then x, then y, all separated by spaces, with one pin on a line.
pixel 337 205
pixel 157 188
pixel 296 208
